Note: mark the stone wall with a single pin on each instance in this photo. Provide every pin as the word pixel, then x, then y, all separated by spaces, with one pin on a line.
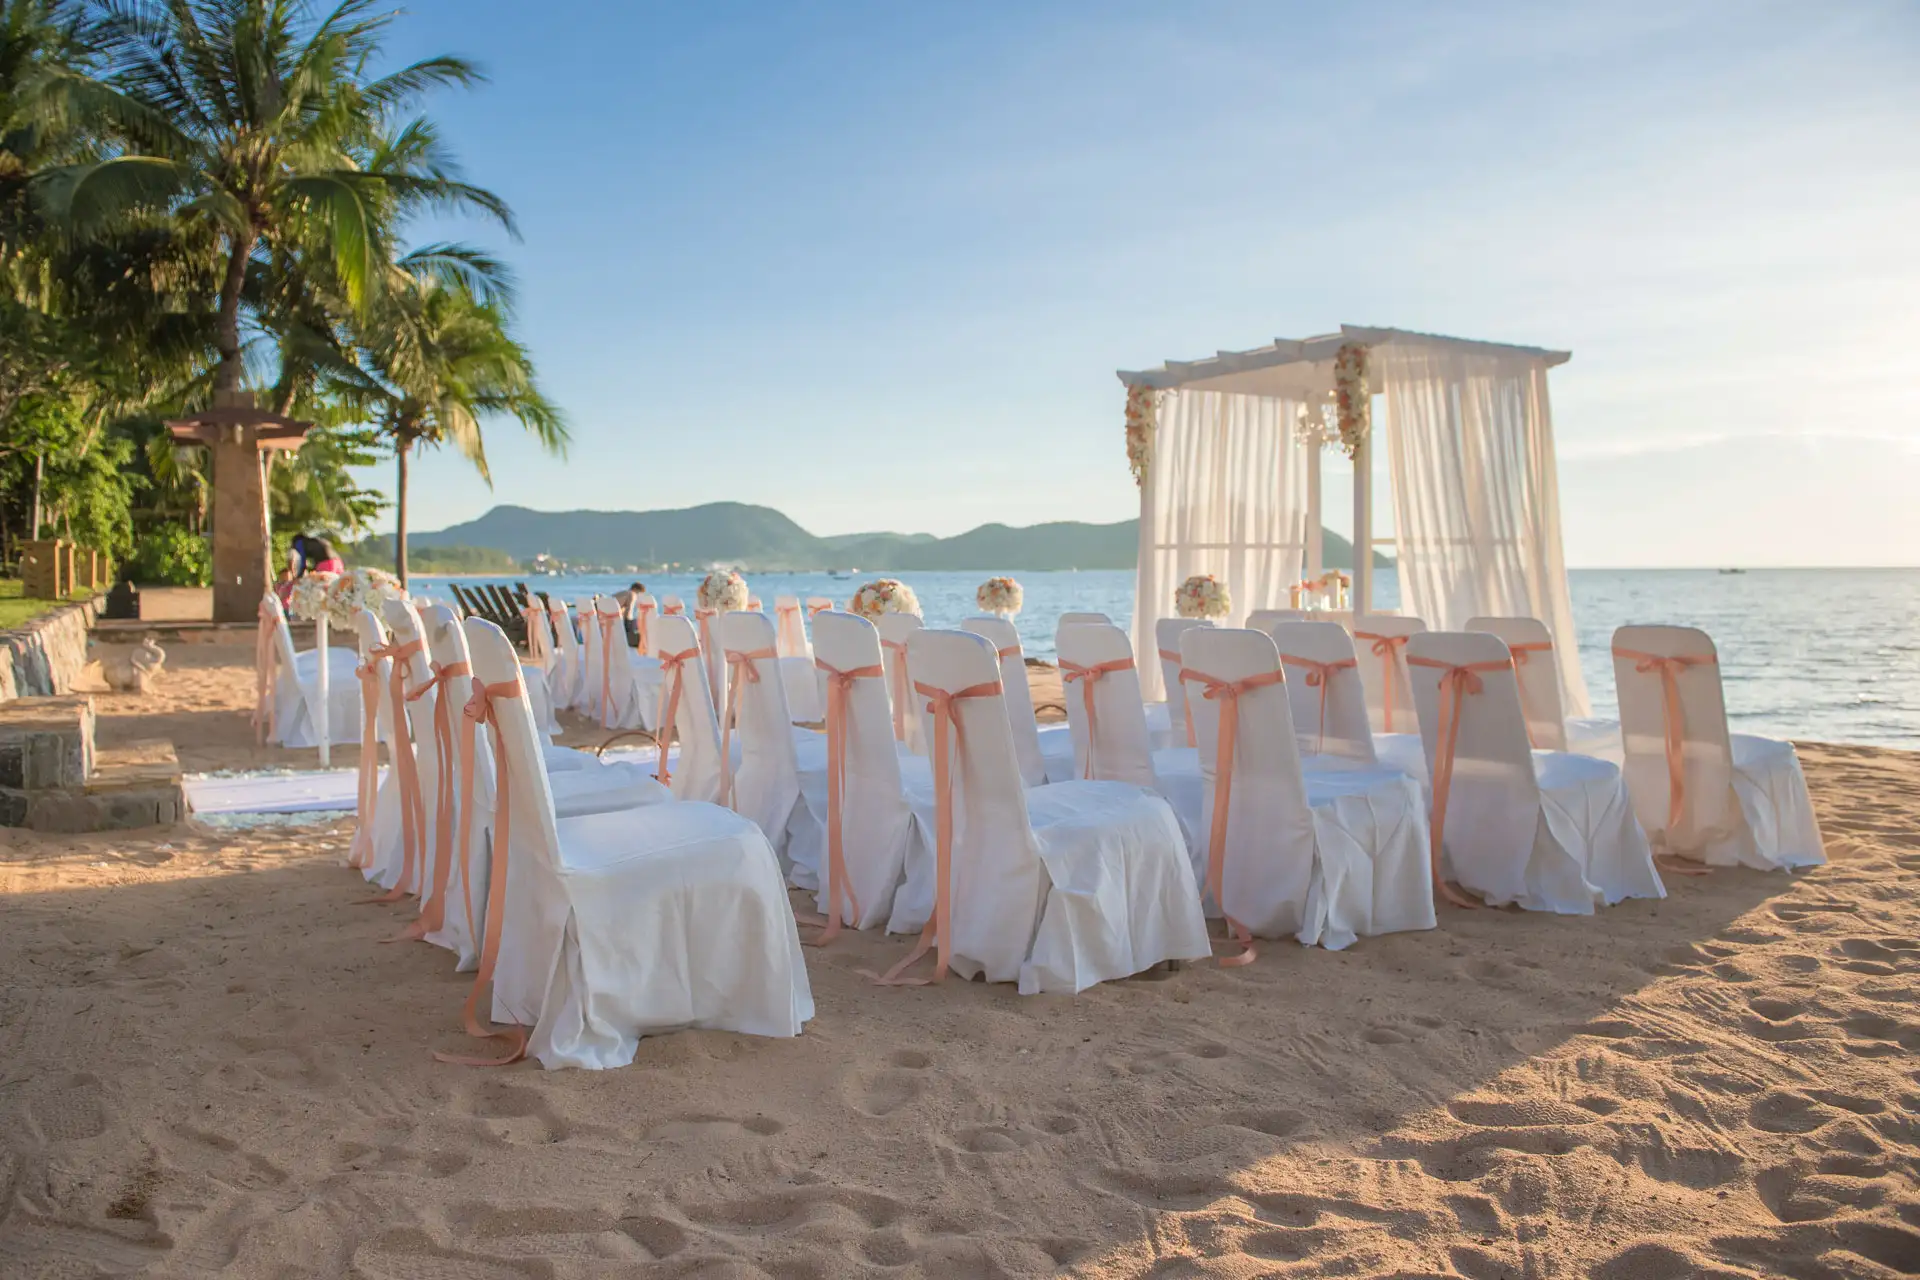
pixel 45 655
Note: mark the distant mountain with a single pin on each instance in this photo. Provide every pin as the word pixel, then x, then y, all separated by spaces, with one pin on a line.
pixel 761 538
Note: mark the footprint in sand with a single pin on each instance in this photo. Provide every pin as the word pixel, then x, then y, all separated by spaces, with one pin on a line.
pixel 514 1113
pixel 885 1092
pixel 69 1110
pixel 1781 1111
pixel 699 1128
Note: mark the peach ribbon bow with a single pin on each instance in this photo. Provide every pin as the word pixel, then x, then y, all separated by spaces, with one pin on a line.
pixel 1383 647
pixel 608 621
pixel 360 852
pixel 433 906
pixel 813 609
pixel 673 671
pixel 1670 666
pixel 413 805
pixel 266 664
pixel 793 635
pixel 480 711
pixel 1086 677
pixel 1319 676
pixel 1521 656
pixel 897 682
pixel 839 885
pixel 673 610
pixel 1458 682
pixel 715 686
pixel 1169 655
pixel 1227 693
pixel 938 934
pixel 741 669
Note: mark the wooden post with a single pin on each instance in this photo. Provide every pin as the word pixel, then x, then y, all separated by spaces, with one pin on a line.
pixel 39 570
pixel 63 558
pixel 241 542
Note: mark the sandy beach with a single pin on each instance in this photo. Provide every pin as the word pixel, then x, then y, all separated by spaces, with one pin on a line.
pixel 210 1064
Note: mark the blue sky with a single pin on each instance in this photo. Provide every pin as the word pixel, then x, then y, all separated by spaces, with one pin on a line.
pixel 875 265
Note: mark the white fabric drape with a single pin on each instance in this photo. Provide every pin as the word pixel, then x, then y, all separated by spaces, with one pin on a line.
pixel 1476 498
pixel 1225 495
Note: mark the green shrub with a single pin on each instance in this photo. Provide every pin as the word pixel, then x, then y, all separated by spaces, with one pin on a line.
pixel 171 555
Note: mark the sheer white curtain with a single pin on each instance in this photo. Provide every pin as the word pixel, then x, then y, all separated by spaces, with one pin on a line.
pixel 1476 498
pixel 1226 495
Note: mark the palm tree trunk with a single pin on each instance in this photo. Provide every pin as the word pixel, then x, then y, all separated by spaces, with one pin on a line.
pixel 226 377
pixel 401 452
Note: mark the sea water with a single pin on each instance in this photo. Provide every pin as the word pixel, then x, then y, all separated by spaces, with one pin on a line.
pixel 1830 655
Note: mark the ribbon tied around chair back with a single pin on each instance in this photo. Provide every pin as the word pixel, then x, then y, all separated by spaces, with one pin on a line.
pixel 1670 666
pixel 413 805
pixel 608 623
pixel 360 852
pixel 839 884
pixel 539 642
pixel 433 901
pixel 897 682
pixel 1173 656
pixel 673 671
pixel 1227 694
pixel 1523 652
pixel 742 669
pixel 938 934
pixel 642 632
pixel 1383 648
pixel 1319 676
pixel 1086 677
pixel 1458 682
pixel 479 711
pixel 266 665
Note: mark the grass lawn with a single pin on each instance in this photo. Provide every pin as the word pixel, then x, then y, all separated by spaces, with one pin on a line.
pixel 16 609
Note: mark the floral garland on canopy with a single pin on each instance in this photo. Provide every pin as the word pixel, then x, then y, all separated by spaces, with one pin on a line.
pixel 1352 396
pixel 1202 596
pixel 1142 421
pixel 1001 596
pixel 723 591
pixel 884 595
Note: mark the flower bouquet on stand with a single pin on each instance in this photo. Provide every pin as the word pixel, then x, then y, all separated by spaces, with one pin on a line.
pixel 1000 597
pixel 723 591
pixel 1202 596
pixel 884 595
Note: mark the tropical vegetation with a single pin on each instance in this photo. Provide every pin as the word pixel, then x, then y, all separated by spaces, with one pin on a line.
pixel 206 197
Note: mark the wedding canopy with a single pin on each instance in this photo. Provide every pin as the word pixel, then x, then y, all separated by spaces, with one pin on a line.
pixel 1226 451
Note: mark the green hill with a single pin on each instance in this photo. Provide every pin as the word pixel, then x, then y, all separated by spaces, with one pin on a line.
pixel 761 538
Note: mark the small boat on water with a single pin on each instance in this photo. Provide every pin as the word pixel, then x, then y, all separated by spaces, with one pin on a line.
pixel 1733 571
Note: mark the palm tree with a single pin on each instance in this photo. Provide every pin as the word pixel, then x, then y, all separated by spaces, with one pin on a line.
pixel 245 117
pixel 436 362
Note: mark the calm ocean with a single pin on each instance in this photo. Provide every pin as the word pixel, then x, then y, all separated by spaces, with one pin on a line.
pixel 1826 654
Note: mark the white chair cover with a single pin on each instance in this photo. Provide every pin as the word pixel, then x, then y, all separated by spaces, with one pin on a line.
pixel 400 863
pixel 1381 644
pixel 797 673
pixel 1166 634
pixel 1267 619
pixel 1324 691
pixel 766 784
pixel 790 628
pixel 592 660
pixel 1100 683
pixel 895 628
pixel 618 925
pixel 696 774
pixel 1326 857
pixel 1056 888
pixel 580 784
pixel 373 840
pixel 1005 639
pixel 1537 666
pixel 296 688
pixel 570 683
pixel 1539 829
pixel 633 679
pixel 1073 619
pixel 879 832
pixel 1737 799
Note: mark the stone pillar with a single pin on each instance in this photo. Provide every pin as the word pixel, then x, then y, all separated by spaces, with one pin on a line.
pixel 240 539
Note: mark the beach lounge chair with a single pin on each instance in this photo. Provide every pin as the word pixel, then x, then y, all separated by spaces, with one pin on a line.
pixel 1536 665
pixel 1541 830
pixel 1702 792
pixel 618 925
pixel 1054 888
pixel 1325 856
pixel 1044 756
pixel 289 685
pixel 878 832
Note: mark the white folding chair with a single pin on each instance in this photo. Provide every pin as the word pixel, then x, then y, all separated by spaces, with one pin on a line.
pixel 686 713
pixel 895 629
pixel 605 928
pixel 1702 792
pixel 766 785
pixel 878 831
pixel 1326 857
pixel 1542 830
pixel 1056 888
pixel 1029 743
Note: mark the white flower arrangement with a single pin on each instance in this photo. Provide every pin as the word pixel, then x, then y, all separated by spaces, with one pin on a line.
pixel 1352 397
pixel 1001 596
pixel 309 598
pixel 884 595
pixel 723 591
pixel 357 589
pixel 1202 596
pixel 1142 413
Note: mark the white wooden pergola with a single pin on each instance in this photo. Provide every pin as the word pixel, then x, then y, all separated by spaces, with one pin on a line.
pixel 1227 452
